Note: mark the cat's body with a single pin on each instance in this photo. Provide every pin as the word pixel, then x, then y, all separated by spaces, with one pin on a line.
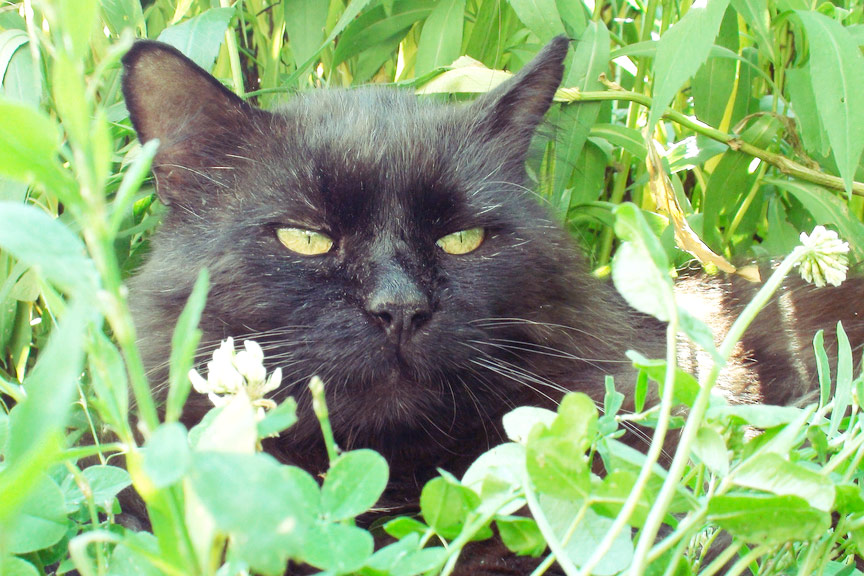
pixel 422 351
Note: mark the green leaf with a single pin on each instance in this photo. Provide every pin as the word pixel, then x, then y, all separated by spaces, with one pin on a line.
pixel 40 522
pixel 305 21
pixel 823 368
pixel 10 42
pixel 269 510
pixel 184 343
pixel 682 50
pixel 768 519
pixel 445 506
pixel 485 43
pixel 519 422
pixel 337 548
pixel 36 424
pixel 714 82
pixel 585 539
pixel 279 419
pixel 574 122
pixel 441 37
pixel 353 484
pixel 640 266
pixel 351 12
pixel 623 137
pixel 109 380
pixel 403 526
pixel 71 100
pixel 837 69
pixel 843 389
pixel 122 15
pixel 558 468
pixel 59 256
pixel 773 473
pixel 404 558
pixel 73 21
pixel 574 16
pixel 376 27
pixel 826 208
pixel 521 535
pixel 576 421
pixel 12 566
pixel 166 456
pixel 799 81
pixel 29 142
pixel 103 482
pixel 710 448
pixel 200 37
pixel 609 497
pixel 133 556
pixel 700 333
pixel 686 386
pixel 758 18
pixel 761 416
pixel 540 16
pixel 497 476
pixel 22 80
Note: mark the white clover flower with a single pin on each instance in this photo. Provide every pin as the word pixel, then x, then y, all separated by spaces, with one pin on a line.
pixel 232 373
pixel 822 257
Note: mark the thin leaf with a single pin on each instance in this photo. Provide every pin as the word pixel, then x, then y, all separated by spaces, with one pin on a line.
pixel 201 37
pixel 540 16
pixel 441 37
pixel 837 67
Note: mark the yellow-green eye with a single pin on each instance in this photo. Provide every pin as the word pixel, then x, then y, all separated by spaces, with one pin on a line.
pixel 306 242
pixel 462 242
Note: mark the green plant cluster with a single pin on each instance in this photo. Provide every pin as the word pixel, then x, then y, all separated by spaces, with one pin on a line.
pixel 754 109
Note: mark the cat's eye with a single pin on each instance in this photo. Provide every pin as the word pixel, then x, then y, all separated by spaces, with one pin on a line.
pixel 306 242
pixel 462 242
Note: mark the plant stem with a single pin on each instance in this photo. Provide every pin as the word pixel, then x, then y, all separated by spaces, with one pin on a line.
pixel 319 406
pixel 233 55
pixel 697 414
pixel 655 517
pixel 651 459
pixel 785 165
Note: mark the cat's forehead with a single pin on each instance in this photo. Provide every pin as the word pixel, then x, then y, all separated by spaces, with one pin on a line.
pixel 374 150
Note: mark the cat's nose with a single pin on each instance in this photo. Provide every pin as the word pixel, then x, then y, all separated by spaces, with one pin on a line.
pixel 399 309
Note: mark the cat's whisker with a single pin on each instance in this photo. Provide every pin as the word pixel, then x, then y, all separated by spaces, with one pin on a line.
pixel 535 348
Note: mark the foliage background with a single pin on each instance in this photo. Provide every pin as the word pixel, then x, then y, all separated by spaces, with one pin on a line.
pixel 756 108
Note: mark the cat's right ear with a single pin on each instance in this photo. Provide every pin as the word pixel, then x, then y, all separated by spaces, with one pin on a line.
pixel 195 118
pixel 511 112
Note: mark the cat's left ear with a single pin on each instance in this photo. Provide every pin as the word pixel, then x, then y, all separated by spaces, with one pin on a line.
pixel 514 109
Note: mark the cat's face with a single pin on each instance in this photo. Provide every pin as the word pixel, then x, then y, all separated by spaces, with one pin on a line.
pixel 385 244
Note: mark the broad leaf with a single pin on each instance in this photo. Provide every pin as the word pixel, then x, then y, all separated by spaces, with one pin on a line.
pixel 682 50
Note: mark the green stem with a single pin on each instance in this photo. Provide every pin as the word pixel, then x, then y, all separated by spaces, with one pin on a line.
pixel 233 55
pixel 471 528
pixel 721 560
pixel 655 517
pixel 697 414
pixel 744 562
pixel 785 165
pixel 319 406
pixel 619 188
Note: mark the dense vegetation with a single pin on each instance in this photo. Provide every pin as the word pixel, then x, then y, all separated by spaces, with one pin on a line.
pixel 728 126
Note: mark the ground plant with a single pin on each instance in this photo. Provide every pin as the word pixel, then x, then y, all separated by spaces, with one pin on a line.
pixel 714 129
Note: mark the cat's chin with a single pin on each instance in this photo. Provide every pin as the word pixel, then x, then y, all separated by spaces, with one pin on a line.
pixel 393 402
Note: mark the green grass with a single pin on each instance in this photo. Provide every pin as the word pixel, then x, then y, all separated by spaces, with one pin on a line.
pixel 756 110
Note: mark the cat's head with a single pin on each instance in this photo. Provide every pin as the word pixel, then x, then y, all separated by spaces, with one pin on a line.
pixel 384 243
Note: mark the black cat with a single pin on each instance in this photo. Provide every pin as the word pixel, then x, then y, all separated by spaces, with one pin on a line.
pixel 390 246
